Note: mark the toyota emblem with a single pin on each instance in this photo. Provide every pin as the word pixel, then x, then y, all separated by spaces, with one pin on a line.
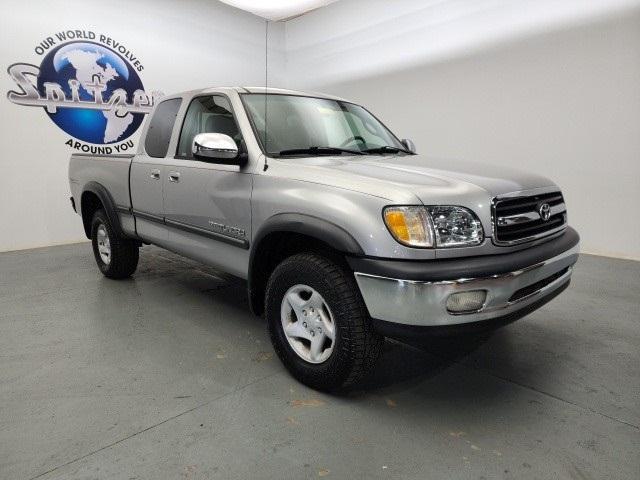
pixel 545 212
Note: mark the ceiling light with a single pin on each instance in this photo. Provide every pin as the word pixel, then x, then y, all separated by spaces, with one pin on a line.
pixel 278 9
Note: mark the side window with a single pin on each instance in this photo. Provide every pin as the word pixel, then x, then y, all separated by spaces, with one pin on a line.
pixel 159 133
pixel 210 114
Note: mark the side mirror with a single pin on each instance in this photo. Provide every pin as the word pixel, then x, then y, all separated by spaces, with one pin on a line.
pixel 409 145
pixel 217 148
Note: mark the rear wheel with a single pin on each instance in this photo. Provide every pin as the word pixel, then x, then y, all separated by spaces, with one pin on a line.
pixel 116 257
pixel 318 323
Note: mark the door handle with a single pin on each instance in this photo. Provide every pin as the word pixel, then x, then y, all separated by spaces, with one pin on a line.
pixel 155 174
pixel 174 177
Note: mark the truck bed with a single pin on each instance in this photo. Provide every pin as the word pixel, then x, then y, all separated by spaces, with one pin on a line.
pixel 111 171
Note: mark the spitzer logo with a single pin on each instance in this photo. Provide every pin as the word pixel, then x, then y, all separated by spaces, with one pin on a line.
pixel 87 89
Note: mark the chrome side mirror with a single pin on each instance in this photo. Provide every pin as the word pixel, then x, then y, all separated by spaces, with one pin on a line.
pixel 215 148
pixel 409 145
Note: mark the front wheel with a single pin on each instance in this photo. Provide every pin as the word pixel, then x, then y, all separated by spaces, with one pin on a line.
pixel 116 257
pixel 318 323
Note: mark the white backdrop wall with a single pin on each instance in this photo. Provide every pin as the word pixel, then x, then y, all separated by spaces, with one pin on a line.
pixel 182 45
pixel 547 86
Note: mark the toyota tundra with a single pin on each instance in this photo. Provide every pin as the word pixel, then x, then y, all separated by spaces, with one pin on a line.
pixel 343 232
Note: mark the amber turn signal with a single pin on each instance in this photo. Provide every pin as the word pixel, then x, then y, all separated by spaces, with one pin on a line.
pixel 409 225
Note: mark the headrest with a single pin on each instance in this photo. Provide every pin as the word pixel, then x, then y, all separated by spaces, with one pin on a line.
pixel 221 124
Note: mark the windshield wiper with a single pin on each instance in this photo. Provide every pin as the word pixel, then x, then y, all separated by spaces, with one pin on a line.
pixel 386 149
pixel 319 151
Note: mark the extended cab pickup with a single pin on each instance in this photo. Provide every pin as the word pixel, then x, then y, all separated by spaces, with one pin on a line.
pixel 344 234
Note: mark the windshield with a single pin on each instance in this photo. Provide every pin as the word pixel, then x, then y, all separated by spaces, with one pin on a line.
pixel 304 126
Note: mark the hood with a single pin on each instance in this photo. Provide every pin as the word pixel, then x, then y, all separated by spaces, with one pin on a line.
pixel 426 177
pixel 411 179
pixel 421 174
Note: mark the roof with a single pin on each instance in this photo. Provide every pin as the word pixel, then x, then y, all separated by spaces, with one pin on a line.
pixel 269 90
pixel 284 91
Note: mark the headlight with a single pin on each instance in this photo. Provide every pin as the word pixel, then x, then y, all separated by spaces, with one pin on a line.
pixel 439 226
pixel 410 226
pixel 455 226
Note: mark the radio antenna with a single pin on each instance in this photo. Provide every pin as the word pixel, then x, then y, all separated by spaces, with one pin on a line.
pixel 266 80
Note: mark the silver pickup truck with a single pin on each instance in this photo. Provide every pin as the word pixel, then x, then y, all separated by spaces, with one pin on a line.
pixel 344 234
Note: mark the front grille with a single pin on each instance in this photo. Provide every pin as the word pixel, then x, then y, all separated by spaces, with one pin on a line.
pixel 534 287
pixel 518 219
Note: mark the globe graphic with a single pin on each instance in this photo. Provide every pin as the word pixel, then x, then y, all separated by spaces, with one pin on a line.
pixel 90 62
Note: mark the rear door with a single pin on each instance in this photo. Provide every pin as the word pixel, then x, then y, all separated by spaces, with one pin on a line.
pixel 148 171
pixel 207 205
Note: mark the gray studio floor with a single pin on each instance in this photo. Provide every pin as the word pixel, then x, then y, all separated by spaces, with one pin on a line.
pixel 170 376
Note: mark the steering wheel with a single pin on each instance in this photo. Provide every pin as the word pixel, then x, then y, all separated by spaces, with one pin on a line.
pixel 356 138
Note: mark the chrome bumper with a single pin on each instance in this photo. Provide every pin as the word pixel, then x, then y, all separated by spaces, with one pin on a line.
pixel 422 303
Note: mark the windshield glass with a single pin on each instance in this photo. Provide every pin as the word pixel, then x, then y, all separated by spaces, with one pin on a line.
pixel 315 126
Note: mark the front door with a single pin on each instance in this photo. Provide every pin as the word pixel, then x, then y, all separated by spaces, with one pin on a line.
pixel 207 206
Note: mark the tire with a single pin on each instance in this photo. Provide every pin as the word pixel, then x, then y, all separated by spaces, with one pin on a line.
pixel 355 346
pixel 122 259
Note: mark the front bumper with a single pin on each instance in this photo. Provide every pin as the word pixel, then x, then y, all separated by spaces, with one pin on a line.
pixel 423 302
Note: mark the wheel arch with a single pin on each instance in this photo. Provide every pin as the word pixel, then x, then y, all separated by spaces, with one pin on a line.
pixel 286 234
pixel 95 196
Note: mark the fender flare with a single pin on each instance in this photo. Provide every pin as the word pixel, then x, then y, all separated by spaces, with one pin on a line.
pixel 315 227
pixel 318 228
pixel 109 207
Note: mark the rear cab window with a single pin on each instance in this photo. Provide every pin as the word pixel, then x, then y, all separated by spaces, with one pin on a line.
pixel 159 134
